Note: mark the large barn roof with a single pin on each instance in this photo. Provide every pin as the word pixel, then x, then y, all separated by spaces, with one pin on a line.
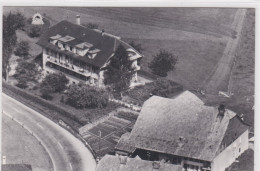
pixel 112 163
pixel 106 43
pixel 182 126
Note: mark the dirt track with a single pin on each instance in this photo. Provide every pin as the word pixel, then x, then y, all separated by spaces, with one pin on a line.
pixel 219 79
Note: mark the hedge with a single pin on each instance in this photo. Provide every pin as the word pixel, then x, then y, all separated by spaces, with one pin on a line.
pixel 147 75
pixel 36 102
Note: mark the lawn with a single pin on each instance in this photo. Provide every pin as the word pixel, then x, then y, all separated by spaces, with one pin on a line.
pixel 196 58
pixel 34 48
pixel 243 73
pixel 196 35
pixel 242 78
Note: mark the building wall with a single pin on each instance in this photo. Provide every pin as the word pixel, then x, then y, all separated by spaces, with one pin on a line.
pixel 100 76
pixel 44 58
pixel 72 79
pixel 229 155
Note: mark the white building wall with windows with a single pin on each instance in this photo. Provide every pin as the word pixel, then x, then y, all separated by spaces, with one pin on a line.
pixel 231 153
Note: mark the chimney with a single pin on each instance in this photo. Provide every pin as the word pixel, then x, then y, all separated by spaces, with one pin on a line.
pixel 78 20
pixel 123 160
pixel 156 165
pixel 102 32
pixel 221 110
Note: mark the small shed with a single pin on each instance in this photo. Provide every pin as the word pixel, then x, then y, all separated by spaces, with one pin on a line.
pixel 37 19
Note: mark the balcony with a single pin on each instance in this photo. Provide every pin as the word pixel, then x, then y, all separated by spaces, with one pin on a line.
pixel 71 67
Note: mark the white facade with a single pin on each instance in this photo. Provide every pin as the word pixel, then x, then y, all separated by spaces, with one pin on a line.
pixel 83 72
pixel 78 73
pixel 231 153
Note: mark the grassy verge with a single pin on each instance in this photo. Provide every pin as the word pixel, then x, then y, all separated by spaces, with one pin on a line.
pixel 242 78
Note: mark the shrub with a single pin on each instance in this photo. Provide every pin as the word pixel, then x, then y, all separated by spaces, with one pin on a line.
pixel 86 97
pixel 62 99
pixel 34 31
pixel 55 82
pixel 161 87
pixel 25 72
pixel 22 49
pixel 163 62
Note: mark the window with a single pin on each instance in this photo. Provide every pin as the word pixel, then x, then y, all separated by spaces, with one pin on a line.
pixel 239 150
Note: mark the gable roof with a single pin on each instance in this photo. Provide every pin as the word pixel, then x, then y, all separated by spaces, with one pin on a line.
pixel 106 43
pixel 124 145
pixel 182 126
pixel 112 163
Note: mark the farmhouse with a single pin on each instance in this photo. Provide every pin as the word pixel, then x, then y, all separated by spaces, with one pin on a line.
pixel 184 131
pixel 123 163
pixel 81 53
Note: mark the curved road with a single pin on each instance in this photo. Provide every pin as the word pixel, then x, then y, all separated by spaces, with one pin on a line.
pixel 67 152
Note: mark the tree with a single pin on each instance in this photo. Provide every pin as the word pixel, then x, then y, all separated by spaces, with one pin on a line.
pixel 118 73
pixel 83 96
pixel 137 47
pixel 34 31
pixel 25 72
pixel 22 49
pixel 11 23
pixel 163 62
pixel 55 82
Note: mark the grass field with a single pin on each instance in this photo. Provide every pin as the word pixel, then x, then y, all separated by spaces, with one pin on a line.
pixel 21 147
pixel 242 78
pixel 196 35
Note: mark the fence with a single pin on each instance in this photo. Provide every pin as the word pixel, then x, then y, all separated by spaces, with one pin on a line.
pixel 147 75
pixel 127 105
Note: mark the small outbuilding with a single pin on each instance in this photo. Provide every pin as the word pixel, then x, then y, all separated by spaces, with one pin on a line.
pixel 37 19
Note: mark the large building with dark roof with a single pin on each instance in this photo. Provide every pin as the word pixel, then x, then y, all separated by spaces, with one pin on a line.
pixel 81 53
pixel 185 131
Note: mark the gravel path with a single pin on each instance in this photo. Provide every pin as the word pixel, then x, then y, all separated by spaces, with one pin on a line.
pixel 224 66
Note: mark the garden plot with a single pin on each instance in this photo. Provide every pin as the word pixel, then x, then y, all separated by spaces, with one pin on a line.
pixel 104 136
